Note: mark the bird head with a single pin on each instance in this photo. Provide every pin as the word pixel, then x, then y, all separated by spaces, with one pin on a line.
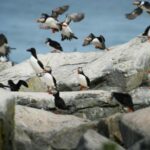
pixel 47 40
pixel 80 70
pixel 43 17
pixel 137 3
pixel 88 39
pixel 32 50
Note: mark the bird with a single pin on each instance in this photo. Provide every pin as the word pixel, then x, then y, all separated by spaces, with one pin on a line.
pixel 147 33
pixel 51 21
pixel 54 44
pixel 66 31
pixel 84 81
pixel 141 6
pixel 14 87
pixel 124 99
pixel 49 79
pixel 59 102
pixel 5 49
pixel 98 42
pixel 36 64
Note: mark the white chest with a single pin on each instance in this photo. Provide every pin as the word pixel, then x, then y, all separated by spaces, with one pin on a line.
pixel 66 31
pixel 82 80
pixel 51 22
pixel 96 42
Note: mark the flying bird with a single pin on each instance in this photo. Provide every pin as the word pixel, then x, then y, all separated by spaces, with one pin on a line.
pixel 141 6
pixel 49 80
pixel 66 31
pixel 54 44
pixel 51 21
pixel 98 42
pixel 84 81
pixel 14 87
pixel 124 99
pixel 36 64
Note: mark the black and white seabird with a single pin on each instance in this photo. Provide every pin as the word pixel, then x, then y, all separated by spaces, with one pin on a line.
pixel 14 87
pixel 66 32
pixel 51 21
pixel 84 81
pixel 54 44
pixel 147 33
pixel 36 64
pixel 49 80
pixel 141 6
pixel 98 42
pixel 124 99
pixel 59 102
pixel 4 48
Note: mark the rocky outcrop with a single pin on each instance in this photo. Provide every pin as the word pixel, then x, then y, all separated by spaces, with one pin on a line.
pixel 45 130
pixel 122 67
pixel 91 140
pixel 7 109
pixel 5 65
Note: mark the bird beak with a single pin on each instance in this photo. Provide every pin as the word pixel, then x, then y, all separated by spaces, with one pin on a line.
pixel 28 50
pixel 40 20
pixel 136 3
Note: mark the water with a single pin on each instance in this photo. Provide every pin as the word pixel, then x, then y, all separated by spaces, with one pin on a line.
pixel 18 23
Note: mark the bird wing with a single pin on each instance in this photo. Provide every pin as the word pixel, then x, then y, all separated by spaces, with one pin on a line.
pixel 3 39
pixel 40 64
pixel 55 82
pixel 135 13
pixel 101 38
pixel 146 31
pixel 22 82
pixel 88 81
pixel 57 45
pixel 58 11
pixel 75 17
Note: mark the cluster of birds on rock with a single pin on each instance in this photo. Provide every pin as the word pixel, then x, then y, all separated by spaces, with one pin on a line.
pixel 51 22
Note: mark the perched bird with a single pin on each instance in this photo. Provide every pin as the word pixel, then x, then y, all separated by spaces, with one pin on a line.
pixel 59 102
pixel 141 6
pixel 124 99
pixel 36 64
pixel 66 32
pixel 4 48
pixel 147 32
pixel 84 81
pixel 98 42
pixel 13 86
pixel 49 79
pixel 51 21
pixel 54 44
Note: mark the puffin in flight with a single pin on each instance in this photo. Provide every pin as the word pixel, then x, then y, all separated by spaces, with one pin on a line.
pixel 49 80
pixel 66 32
pixel 124 99
pixel 36 64
pixel 141 6
pixel 14 87
pixel 51 21
pixel 4 48
pixel 84 81
pixel 147 33
pixel 54 44
pixel 98 42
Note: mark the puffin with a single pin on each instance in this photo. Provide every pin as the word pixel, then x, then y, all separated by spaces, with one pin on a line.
pixel 54 44
pixel 59 102
pixel 147 33
pixel 98 42
pixel 14 87
pixel 4 48
pixel 51 21
pixel 49 80
pixel 36 64
pixel 66 31
pixel 141 6
pixel 84 81
pixel 124 99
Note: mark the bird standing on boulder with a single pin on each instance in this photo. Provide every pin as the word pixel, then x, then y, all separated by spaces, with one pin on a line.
pixel 36 64
pixel 13 86
pixel 84 81
pixel 141 6
pixel 54 44
pixel 98 42
pixel 124 99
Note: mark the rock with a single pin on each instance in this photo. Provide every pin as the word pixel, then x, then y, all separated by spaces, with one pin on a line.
pixel 5 65
pixel 7 108
pixel 91 140
pixel 124 69
pixel 38 129
pixel 135 126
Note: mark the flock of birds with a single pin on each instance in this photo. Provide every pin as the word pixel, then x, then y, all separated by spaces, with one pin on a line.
pixel 51 22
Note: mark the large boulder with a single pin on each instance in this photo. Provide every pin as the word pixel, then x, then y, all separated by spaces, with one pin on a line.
pixel 7 109
pixel 5 65
pixel 135 126
pixel 38 129
pixel 122 67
